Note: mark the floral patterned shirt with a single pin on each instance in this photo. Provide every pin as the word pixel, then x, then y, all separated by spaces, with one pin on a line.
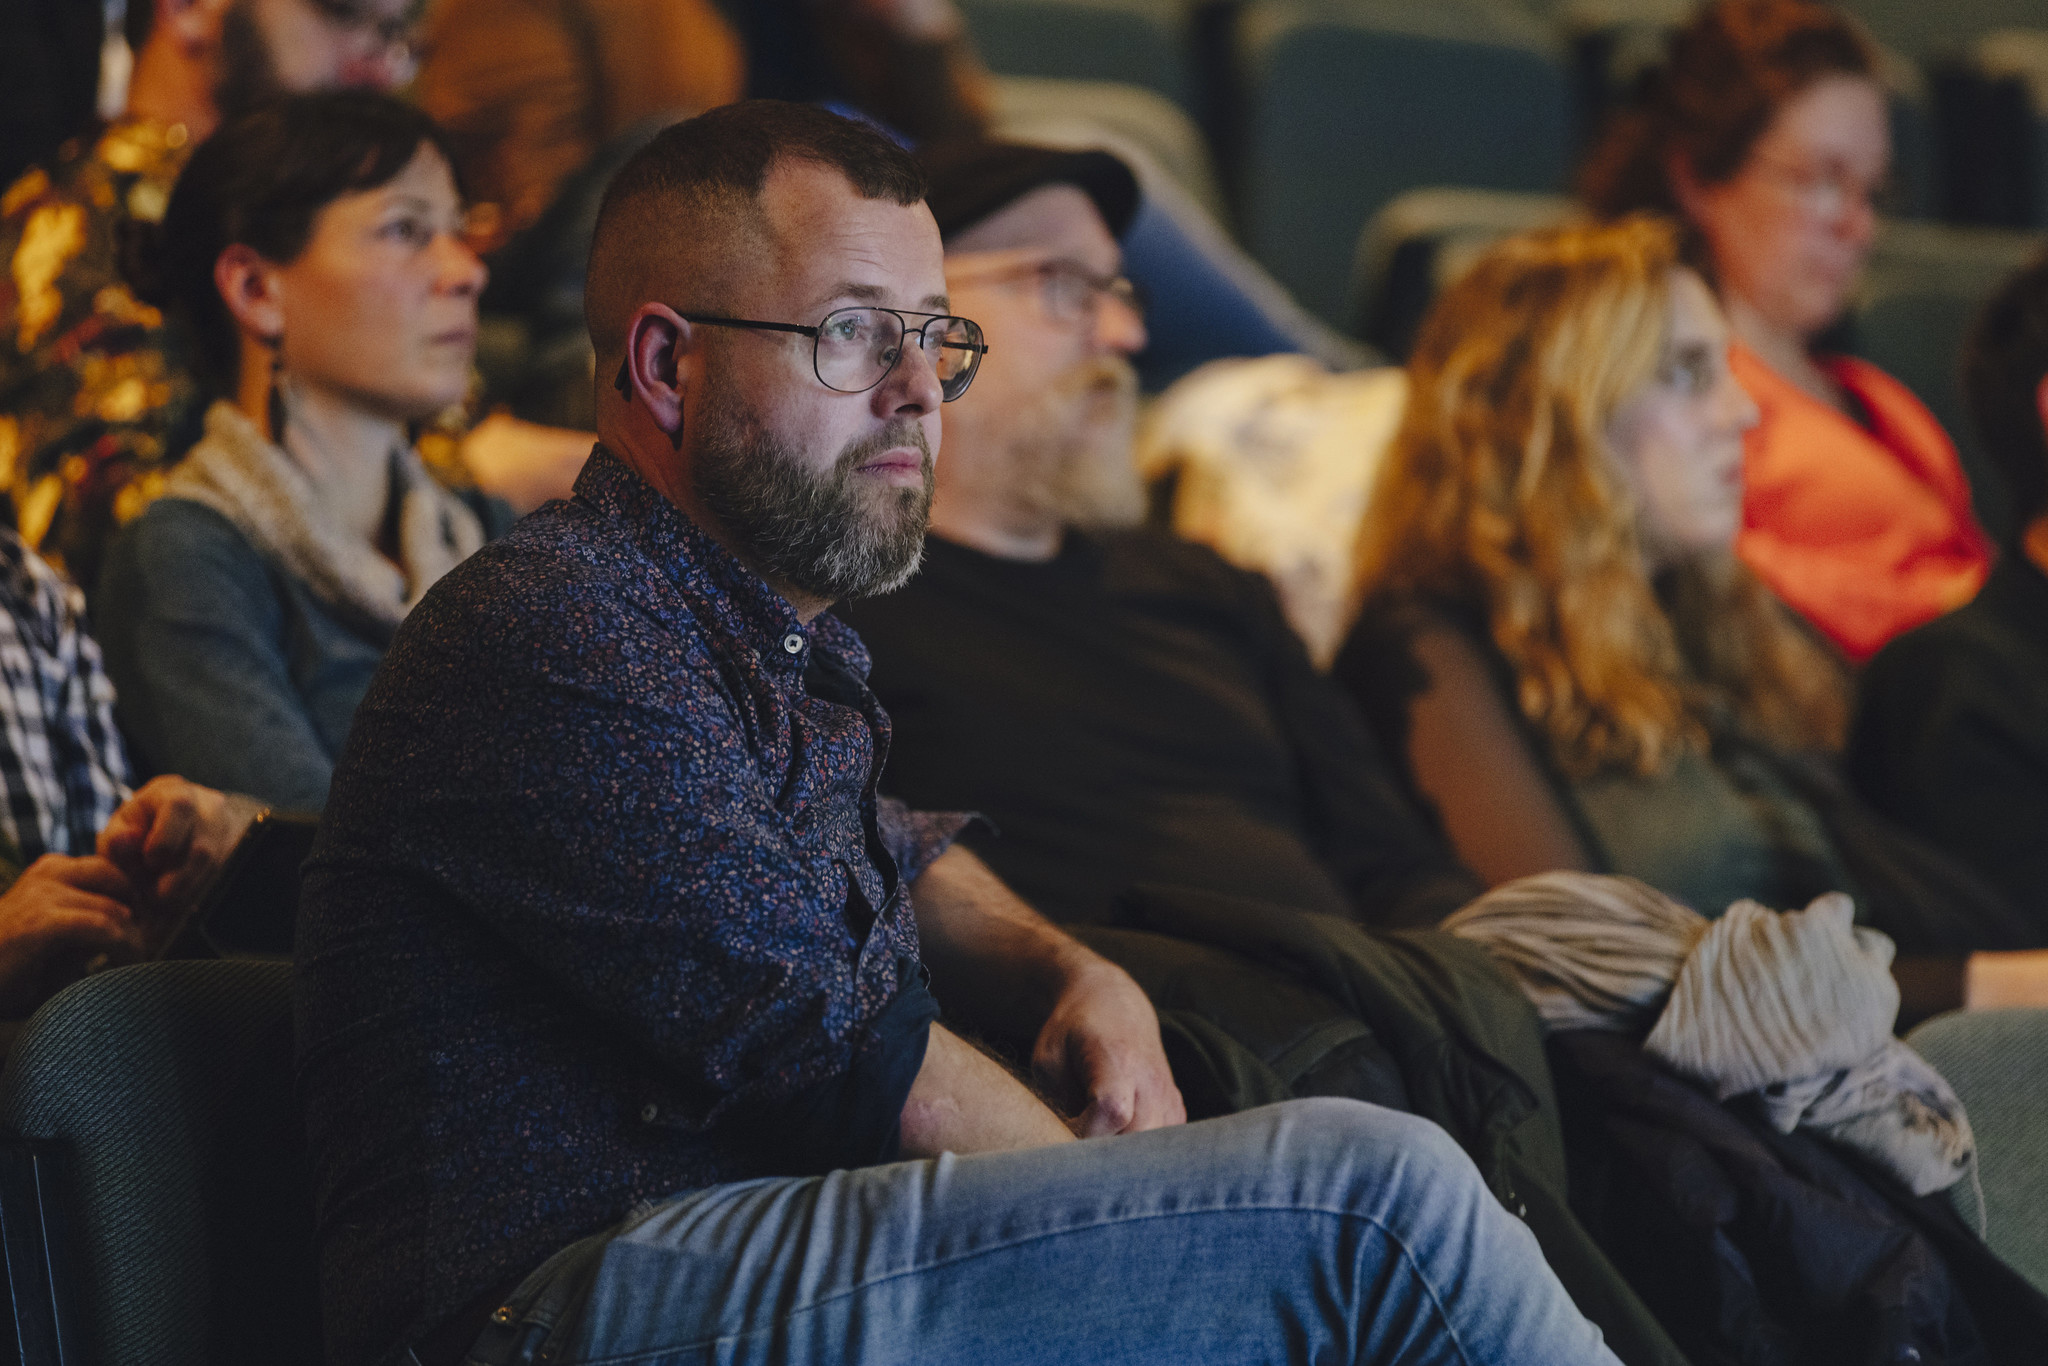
pixel 605 908
pixel 94 390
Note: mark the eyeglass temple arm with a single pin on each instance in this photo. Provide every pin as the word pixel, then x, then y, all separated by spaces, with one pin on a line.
pixel 711 320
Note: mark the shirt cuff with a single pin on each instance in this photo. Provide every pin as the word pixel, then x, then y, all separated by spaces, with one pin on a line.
pixel 915 838
pixel 856 1118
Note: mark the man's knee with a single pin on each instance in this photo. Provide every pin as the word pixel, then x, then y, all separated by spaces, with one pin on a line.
pixel 1381 1148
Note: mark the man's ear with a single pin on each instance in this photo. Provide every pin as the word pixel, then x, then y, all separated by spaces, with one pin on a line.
pixel 252 290
pixel 661 362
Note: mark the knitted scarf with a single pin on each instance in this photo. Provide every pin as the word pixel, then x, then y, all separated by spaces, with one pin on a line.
pixel 272 500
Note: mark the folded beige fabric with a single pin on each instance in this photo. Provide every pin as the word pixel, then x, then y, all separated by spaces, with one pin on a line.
pixel 1766 998
pixel 1590 952
pixel 1796 1007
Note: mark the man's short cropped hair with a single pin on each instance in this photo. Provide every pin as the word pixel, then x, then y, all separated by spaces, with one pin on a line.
pixel 696 182
pixel 2004 362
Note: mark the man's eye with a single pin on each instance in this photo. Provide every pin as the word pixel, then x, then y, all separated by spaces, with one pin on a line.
pixel 844 330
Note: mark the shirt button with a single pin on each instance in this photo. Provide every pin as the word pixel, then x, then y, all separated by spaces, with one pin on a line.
pixel 793 643
pixel 648 1114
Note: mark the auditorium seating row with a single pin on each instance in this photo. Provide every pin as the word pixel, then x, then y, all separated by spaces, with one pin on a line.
pixel 155 1207
pixel 1319 113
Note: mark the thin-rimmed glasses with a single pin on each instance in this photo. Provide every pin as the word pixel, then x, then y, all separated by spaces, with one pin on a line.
pixel 854 349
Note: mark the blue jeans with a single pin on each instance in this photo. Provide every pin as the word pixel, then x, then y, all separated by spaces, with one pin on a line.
pixel 1315 1231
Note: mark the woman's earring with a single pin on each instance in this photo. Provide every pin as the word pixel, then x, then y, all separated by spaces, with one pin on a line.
pixel 276 401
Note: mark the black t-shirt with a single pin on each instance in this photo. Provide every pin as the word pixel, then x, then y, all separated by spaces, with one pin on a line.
pixel 1135 711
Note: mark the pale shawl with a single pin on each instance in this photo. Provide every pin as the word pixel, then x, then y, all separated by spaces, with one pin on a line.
pixel 1796 1008
pixel 272 500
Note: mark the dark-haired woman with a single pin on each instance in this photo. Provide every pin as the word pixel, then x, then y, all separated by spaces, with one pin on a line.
pixel 316 251
pixel 1767 132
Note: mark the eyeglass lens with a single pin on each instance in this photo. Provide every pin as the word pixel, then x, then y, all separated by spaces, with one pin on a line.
pixel 857 347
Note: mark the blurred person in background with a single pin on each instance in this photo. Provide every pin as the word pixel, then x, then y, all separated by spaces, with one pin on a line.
pixel 1767 132
pixel 1951 730
pixel 544 100
pixel 96 397
pixel 1125 707
pixel 90 873
pixel 1561 650
pixel 313 251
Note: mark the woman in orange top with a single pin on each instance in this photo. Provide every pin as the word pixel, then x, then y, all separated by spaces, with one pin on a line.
pixel 1767 133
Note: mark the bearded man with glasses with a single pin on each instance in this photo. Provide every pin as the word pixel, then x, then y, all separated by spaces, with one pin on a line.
pixel 618 983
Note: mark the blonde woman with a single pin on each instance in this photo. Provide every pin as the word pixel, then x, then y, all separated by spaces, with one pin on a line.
pixel 1560 646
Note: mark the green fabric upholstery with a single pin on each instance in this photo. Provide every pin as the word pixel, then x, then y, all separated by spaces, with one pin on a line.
pixel 1353 101
pixel 1997 1061
pixel 172 1084
pixel 1415 245
pixel 1137 42
pixel 1932 29
pixel 1919 297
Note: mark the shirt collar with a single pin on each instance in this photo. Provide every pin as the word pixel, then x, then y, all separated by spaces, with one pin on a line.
pixel 716 581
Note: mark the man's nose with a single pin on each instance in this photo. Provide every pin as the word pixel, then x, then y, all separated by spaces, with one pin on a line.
pixel 913 386
pixel 1119 326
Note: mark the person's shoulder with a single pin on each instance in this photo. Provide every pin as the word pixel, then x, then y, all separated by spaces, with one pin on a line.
pixel 1971 646
pixel 560 586
pixel 172 529
pixel 42 604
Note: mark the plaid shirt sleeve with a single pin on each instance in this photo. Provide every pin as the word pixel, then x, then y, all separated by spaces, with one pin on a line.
pixel 63 769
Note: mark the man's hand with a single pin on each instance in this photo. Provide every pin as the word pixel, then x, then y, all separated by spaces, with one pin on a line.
pixel 1100 1052
pixel 60 915
pixel 168 841
pixel 1011 973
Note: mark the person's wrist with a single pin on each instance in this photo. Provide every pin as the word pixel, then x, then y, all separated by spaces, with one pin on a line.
pixel 243 812
pixel 2011 980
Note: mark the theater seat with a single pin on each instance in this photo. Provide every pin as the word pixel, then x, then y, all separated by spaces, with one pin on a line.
pixel 1135 123
pixel 1418 243
pixel 1351 102
pixel 1137 42
pixel 1997 1061
pixel 1927 30
pixel 1919 298
pixel 151 1134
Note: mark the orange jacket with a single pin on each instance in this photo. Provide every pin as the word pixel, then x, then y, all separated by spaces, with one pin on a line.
pixel 1866 532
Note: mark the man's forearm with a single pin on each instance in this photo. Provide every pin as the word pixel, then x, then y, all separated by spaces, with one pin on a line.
pixel 963 1101
pixel 996 963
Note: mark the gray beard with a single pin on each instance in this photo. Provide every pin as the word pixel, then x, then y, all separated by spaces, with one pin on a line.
pixel 1072 459
pixel 827 535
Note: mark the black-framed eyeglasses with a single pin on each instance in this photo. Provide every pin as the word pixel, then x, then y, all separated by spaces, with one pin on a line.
pixel 854 349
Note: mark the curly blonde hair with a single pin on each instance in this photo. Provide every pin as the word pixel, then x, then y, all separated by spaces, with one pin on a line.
pixel 1500 490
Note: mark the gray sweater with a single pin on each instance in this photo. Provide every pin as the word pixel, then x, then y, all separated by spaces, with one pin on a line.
pixel 228 670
